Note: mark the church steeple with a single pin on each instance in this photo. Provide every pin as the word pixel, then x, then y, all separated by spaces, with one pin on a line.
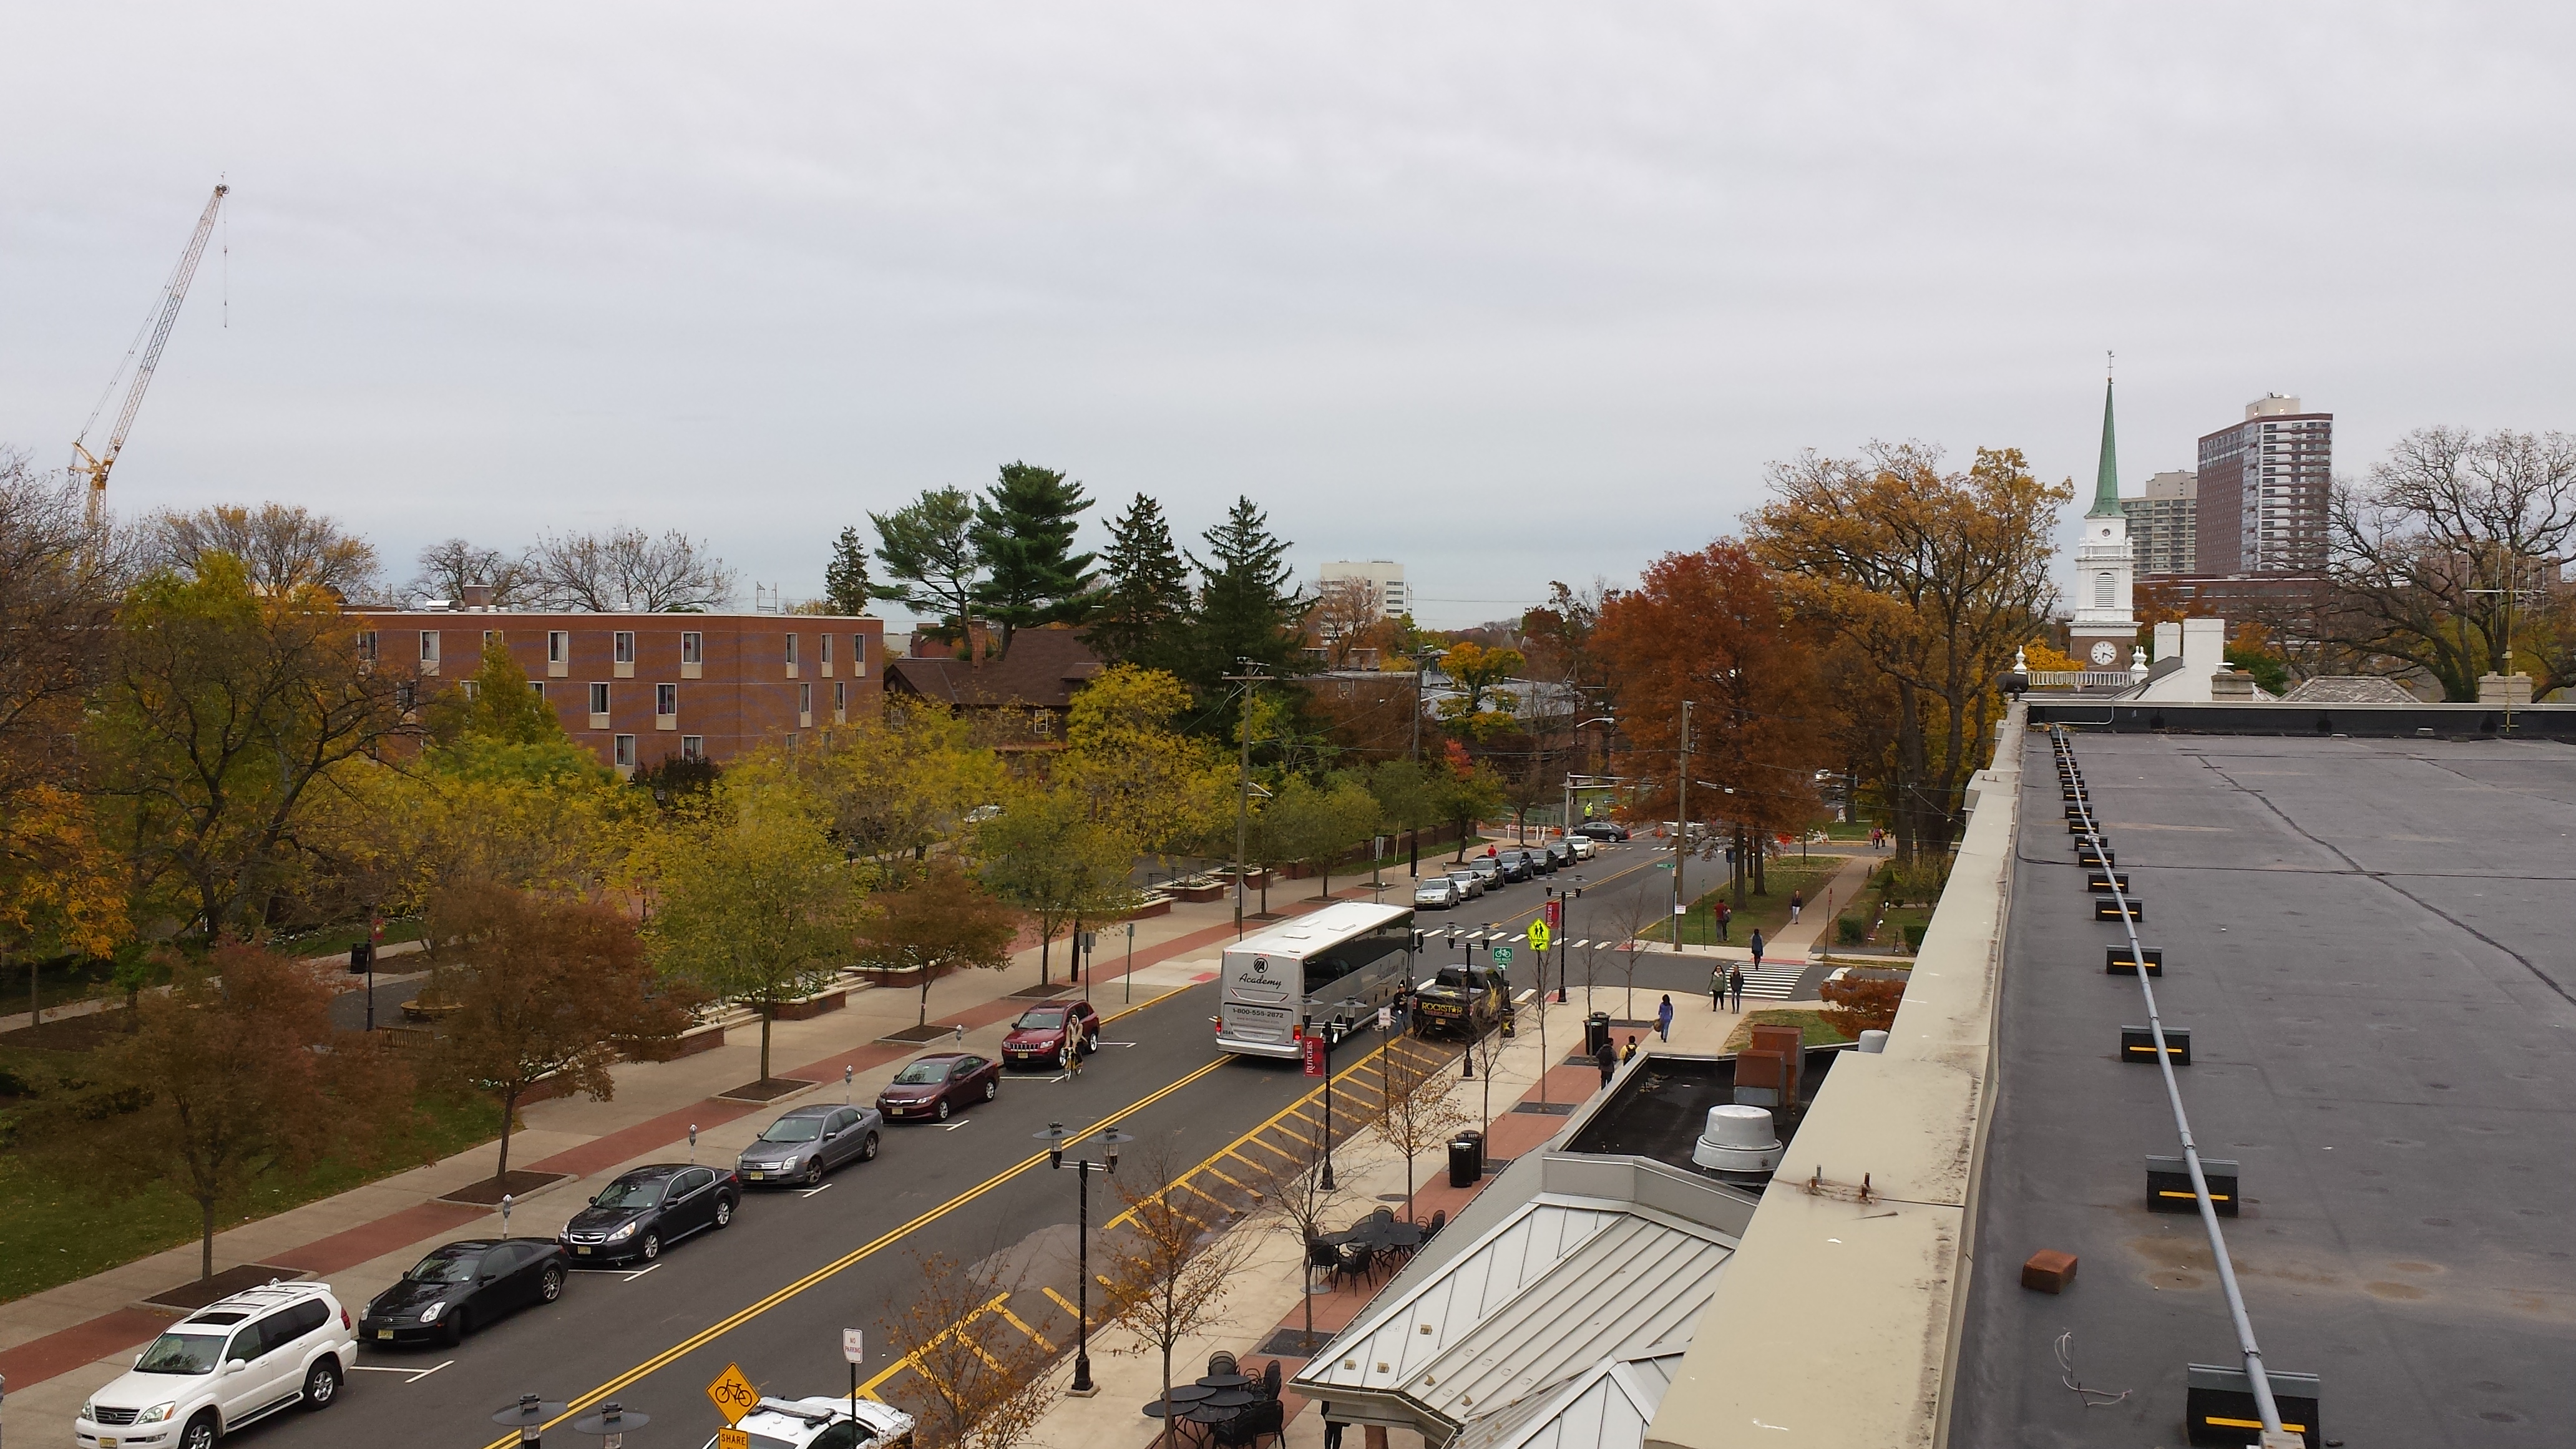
pixel 2106 480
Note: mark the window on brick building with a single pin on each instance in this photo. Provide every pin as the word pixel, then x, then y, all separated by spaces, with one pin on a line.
pixel 624 750
pixel 693 647
pixel 599 699
pixel 558 646
pixel 693 747
pixel 624 644
pixel 429 646
pixel 666 700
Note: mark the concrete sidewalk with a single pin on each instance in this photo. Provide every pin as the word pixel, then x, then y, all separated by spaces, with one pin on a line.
pixel 57 1344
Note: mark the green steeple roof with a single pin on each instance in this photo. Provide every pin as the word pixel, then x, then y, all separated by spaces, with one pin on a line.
pixel 2106 481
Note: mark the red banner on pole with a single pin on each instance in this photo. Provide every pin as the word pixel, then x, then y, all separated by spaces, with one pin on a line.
pixel 1556 915
pixel 1314 1052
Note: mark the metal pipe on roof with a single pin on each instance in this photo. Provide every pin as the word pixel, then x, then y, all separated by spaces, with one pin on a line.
pixel 2245 1340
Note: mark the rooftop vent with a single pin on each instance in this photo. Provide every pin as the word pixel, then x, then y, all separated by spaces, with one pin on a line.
pixel 1737 1139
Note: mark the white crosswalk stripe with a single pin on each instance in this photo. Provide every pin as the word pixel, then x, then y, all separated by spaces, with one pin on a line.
pixel 1773 983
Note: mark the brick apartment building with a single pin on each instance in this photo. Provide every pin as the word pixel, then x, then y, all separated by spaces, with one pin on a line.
pixel 2263 484
pixel 639 688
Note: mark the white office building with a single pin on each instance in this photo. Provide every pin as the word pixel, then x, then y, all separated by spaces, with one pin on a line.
pixel 1384 577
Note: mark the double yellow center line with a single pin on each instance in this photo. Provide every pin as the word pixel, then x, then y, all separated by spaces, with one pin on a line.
pixel 716 1330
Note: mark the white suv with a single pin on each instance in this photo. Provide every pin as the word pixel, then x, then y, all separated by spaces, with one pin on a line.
pixel 823 1424
pixel 221 1367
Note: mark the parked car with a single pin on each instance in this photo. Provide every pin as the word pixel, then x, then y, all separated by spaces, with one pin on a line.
pixel 1037 1038
pixel 1602 830
pixel 1540 861
pixel 238 1359
pixel 937 1085
pixel 1583 846
pixel 810 1141
pixel 1560 854
pixel 1470 884
pixel 463 1286
pixel 1489 870
pixel 647 1210
pixel 1461 1001
pixel 1438 891
pixel 824 1423
pixel 1514 864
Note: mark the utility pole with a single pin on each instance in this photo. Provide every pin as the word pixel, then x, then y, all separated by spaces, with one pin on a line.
pixel 1252 675
pixel 1681 828
pixel 1418 662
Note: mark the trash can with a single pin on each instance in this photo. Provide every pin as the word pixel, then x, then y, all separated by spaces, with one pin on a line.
pixel 1596 1033
pixel 1466 1160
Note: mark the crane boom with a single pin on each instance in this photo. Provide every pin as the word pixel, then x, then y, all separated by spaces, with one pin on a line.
pixel 96 465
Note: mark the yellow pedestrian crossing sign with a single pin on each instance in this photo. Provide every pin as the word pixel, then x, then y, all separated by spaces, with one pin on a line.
pixel 1538 935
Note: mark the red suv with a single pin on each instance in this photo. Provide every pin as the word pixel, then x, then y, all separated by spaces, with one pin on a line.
pixel 1037 1038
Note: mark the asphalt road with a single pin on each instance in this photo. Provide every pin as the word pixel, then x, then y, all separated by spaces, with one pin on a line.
pixel 773 1292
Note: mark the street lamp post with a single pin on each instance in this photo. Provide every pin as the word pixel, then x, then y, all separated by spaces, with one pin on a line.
pixel 1056 1138
pixel 529 1416
pixel 610 1424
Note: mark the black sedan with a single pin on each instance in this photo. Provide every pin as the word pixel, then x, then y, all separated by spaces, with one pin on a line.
pixel 1602 830
pixel 935 1086
pixel 463 1286
pixel 647 1210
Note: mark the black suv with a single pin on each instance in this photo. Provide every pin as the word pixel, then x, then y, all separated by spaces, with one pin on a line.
pixel 647 1210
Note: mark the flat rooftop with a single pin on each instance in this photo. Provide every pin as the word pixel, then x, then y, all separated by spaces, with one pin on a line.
pixel 2373 944
pixel 1659 1110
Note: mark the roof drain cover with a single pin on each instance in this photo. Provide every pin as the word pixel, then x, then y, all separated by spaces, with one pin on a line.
pixel 1737 1139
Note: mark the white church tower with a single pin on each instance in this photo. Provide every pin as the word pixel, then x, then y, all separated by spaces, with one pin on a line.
pixel 2104 631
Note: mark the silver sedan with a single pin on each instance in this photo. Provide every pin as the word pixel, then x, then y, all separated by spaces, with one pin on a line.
pixel 810 1141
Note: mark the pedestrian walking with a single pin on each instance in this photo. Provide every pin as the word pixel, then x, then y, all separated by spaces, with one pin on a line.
pixel 1797 903
pixel 1757 948
pixel 1332 1434
pixel 1664 1017
pixel 1725 914
pixel 1630 1054
pixel 1606 1059
pixel 1717 989
pixel 1735 978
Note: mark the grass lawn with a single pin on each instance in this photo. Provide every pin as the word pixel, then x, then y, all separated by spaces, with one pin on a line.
pixel 53 1233
pixel 1767 912
pixel 336 940
pixel 1811 1023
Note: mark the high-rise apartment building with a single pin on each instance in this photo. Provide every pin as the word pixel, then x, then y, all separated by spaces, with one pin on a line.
pixel 2263 486
pixel 1385 580
pixel 2162 523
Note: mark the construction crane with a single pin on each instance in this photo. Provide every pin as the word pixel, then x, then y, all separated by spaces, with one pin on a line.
pixel 156 325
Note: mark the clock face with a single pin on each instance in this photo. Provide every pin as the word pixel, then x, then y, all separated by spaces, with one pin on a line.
pixel 2104 652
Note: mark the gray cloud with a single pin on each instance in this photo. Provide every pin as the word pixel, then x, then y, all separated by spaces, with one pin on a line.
pixel 1509 292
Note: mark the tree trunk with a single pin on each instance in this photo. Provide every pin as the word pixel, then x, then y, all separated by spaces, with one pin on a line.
pixel 768 1010
pixel 206 1237
pixel 1046 939
pixel 509 1115
pixel 35 993
pixel 925 996
pixel 1761 880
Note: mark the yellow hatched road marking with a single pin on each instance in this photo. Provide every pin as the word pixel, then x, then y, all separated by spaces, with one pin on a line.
pixel 1069 1309
pixel 1220 1175
pixel 1013 1319
pixel 909 1360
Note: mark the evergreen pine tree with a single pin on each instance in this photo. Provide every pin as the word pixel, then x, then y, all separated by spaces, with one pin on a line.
pixel 846 589
pixel 1247 606
pixel 928 548
pixel 1142 612
pixel 1024 527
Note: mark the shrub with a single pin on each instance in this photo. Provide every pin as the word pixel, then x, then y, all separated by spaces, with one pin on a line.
pixel 1914 938
pixel 1866 1004
pixel 1851 930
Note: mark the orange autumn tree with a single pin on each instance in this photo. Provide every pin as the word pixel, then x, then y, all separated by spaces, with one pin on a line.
pixel 1712 628
pixel 1933 577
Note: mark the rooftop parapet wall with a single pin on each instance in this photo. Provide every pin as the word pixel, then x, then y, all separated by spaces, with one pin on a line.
pixel 1836 1320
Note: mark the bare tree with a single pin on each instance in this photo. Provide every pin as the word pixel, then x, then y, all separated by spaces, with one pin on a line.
pixel 1167 1273
pixel 1292 1198
pixel 282 547
pixel 1631 916
pixel 2450 559
pixel 627 571
pixel 1418 1108
pixel 59 582
pixel 1341 617
pixel 447 566
pixel 986 1383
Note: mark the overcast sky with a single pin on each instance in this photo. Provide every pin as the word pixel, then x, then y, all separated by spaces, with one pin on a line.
pixel 1504 292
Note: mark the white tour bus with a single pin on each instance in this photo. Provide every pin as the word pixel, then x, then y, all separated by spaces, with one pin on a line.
pixel 1277 979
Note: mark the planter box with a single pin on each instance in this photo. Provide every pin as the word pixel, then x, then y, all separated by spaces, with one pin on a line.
pixel 806 1008
pixel 1160 905
pixel 687 1044
pixel 1200 894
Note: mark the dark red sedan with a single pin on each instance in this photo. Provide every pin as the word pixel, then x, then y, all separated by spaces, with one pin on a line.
pixel 1037 1038
pixel 935 1086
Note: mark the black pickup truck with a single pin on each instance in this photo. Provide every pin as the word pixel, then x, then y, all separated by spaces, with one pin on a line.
pixel 1463 1001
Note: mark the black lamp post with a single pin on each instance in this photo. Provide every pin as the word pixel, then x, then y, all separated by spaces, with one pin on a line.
pixel 529 1416
pixel 1055 1137
pixel 610 1424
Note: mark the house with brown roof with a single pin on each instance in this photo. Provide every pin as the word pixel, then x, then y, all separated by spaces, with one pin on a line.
pixel 1022 697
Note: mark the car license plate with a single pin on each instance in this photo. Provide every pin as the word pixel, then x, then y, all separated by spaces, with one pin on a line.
pixel 582 1250
pixel 751 1177
pixel 384 1333
pixel 105 1442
